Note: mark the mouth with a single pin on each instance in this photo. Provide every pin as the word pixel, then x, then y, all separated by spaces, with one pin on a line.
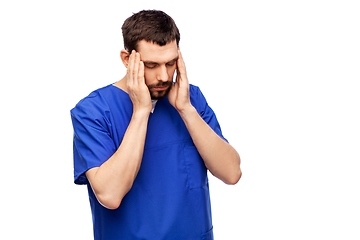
pixel 159 89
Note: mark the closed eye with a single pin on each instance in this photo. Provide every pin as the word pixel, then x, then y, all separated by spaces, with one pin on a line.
pixel 172 63
pixel 151 65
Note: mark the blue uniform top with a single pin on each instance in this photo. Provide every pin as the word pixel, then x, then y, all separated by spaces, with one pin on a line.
pixel 170 197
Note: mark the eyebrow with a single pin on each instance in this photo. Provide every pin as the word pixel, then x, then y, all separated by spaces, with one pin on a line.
pixel 151 62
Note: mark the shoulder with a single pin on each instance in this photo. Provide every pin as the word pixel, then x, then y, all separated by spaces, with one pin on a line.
pixel 194 90
pixel 198 99
pixel 196 96
pixel 93 105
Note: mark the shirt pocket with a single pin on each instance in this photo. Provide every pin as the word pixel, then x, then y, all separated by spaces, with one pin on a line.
pixel 195 167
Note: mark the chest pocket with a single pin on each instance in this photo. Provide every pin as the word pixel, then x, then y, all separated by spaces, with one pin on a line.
pixel 195 167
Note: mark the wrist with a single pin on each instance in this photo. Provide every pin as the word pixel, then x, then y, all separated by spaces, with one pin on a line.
pixel 141 114
pixel 188 112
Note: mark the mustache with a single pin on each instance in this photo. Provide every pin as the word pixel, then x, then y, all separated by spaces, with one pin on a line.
pixel 161 84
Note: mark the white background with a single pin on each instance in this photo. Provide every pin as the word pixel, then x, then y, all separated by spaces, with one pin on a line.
pixel 282 76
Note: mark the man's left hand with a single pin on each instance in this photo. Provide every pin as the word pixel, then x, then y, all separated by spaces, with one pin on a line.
pixel 179 96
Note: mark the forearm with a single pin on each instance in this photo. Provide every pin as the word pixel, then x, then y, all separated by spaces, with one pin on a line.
pixel 114 178
pixel 220 158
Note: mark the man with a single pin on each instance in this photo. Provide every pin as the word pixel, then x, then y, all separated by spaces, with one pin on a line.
pixel 143 144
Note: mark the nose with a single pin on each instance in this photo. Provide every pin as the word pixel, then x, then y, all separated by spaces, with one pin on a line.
pixel 162 74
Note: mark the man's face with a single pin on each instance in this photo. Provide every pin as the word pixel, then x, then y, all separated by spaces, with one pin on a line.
pixel 160 64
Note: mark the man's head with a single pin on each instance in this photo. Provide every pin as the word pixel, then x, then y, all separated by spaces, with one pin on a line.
pixel 150 25
pixel 155 36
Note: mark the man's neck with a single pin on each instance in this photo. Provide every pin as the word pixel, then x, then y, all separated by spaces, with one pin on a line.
pixel 122 85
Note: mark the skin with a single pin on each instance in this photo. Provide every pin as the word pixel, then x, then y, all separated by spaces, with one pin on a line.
pixel 150 75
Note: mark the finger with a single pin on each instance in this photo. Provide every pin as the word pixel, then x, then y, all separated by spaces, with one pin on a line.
pixel 131 60
pixel 135 71
pixel 141 78
pixel 181 70
pixel 181 63
pixel 131 66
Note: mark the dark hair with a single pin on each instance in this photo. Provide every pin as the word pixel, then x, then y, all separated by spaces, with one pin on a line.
pixel 149 25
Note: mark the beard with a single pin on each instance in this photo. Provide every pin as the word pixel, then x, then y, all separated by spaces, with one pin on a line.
pixel 156 95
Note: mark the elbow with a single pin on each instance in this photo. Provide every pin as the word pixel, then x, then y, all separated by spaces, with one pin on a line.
pixel 108 201
pixel 230 173
pixel 111 199
pixel 234 177
pixel 112 205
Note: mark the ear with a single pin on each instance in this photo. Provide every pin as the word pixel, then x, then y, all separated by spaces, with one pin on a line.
pixel 124 55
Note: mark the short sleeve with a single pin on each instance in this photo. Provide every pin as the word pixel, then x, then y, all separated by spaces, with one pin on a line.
pixel 208 115
pixel 92 143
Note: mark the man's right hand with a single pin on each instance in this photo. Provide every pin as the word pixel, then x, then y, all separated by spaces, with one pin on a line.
pixel 135 82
